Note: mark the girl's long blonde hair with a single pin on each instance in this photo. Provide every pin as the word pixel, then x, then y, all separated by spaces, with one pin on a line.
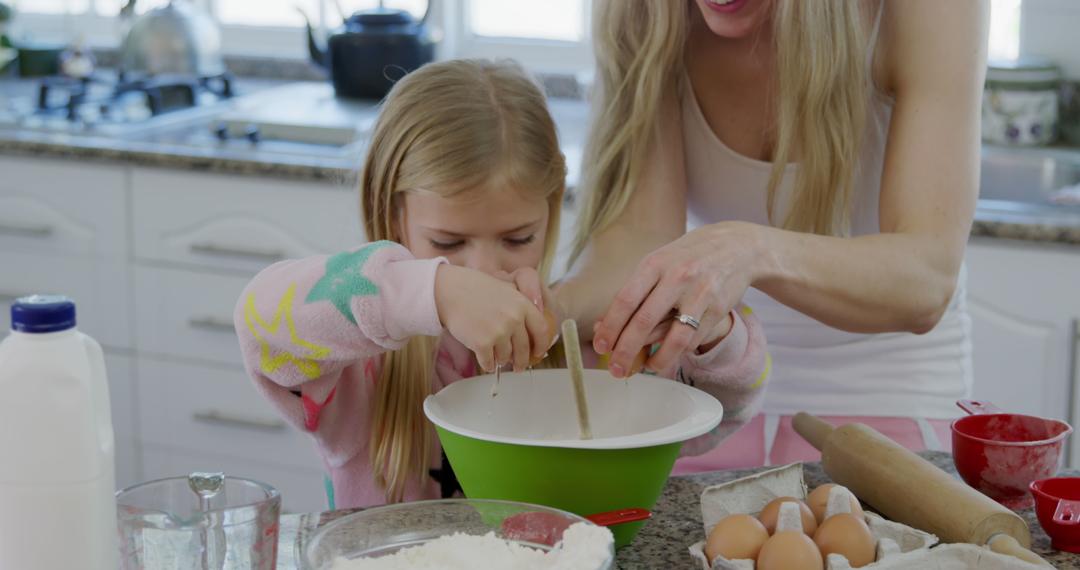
pixel 822 87
pixel 448 127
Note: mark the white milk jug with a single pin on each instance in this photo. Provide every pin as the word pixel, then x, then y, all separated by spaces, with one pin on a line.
pixel 57 495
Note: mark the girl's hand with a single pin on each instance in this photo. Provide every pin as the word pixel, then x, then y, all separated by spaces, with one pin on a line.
pixel 490 317
pixel 528 282
pixel 703 274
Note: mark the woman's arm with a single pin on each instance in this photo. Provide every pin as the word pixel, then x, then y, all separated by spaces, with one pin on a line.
pixel 654 216
pixel 904 277
pixel 899 280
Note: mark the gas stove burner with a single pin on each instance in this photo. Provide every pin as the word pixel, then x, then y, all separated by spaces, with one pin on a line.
pixel 127 97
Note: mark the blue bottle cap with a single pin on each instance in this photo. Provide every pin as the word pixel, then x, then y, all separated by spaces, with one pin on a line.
pixel 42 314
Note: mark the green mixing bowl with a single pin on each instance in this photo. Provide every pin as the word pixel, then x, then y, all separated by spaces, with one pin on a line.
pixel 524 444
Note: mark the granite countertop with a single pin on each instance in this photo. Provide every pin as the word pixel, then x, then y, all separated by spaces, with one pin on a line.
pixel 676 523
pixel 186 142
pixel 191 146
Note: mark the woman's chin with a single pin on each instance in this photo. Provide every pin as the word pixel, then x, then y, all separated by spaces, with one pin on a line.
pixel 732 19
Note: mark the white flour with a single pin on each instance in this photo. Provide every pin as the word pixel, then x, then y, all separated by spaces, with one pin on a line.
pixel 584 547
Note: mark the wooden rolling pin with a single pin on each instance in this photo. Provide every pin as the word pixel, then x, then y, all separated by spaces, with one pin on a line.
pixel 909 489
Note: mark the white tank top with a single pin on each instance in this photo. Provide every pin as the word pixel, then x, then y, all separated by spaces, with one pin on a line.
pixel 818 368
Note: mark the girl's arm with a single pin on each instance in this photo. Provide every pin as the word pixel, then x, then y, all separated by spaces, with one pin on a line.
pixel 311 331
pixel 303 323
pixel 734 370
pixel 307 319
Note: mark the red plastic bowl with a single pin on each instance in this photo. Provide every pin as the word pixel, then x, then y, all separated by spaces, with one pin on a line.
pixel 1001 454
pixel 1057 504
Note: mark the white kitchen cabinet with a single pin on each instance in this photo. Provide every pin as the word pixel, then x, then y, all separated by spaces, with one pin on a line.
pixel 198 240
pixel 121 374
pixel 187 314
pixel 217 410
pixel 238 223
pixel 156 260
pixel 62 208
pixel 99 287
pixel 1024 302
pixel 63 230
pixel 211 418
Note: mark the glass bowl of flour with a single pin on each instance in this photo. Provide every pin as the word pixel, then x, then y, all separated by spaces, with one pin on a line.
pixel 460 533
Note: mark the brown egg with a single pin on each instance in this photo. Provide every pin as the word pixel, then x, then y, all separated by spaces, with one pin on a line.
pixel 818 501
pixel 736 537
pixel 636 366
pixel 768 515
pixel 847 535
pixel 789 550
pixel 639 361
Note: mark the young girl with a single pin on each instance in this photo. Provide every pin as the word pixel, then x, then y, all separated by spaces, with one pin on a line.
pixel 460 193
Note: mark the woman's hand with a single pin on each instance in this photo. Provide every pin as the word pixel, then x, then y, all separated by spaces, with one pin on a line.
pixel 702 274
pixel 490 317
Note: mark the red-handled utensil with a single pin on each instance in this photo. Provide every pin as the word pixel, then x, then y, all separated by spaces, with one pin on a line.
pixel 547 528
pixel 620 516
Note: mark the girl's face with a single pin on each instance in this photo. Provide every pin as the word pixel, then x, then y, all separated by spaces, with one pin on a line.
pixel 734 19
pixel 489 230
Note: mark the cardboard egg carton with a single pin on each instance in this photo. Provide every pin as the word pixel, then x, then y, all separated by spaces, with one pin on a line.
pixel 898 546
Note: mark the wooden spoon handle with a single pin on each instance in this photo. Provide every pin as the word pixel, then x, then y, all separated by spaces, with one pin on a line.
pixel 577 374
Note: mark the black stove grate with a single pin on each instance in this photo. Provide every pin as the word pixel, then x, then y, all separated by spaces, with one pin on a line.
pixel 162 94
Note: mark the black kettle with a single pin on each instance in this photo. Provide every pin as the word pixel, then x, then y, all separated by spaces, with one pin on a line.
pixel 372 50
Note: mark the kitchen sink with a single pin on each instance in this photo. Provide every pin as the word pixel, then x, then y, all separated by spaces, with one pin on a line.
pixel 1025 180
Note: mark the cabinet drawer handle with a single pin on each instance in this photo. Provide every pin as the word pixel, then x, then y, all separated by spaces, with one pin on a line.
pixel 221 250
pixel 26 231
pixel 212 324
pixel 232 420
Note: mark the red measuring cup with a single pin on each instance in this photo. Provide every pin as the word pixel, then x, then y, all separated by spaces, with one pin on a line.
pixel 1000 454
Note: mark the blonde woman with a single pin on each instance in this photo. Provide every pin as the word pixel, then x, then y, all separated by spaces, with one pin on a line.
pixel 460 193
pixel 823 156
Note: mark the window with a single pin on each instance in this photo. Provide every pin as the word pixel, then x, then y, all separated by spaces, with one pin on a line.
pixel 53 6
pixel 1004 29
pixel 111 8
pixel 262 13
pixel 544 34
pixel 559 20
pixel 414 7
pixel 549 35
pixel 285 12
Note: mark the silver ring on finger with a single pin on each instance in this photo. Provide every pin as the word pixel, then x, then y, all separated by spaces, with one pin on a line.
pixel 688 321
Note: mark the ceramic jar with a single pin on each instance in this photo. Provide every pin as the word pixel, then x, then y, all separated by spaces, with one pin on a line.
pixel 1020 102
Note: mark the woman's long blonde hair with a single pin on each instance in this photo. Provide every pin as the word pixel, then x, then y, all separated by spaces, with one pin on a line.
pixel 822 89
pixel 448 127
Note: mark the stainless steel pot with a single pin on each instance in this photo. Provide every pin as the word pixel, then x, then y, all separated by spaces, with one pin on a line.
pixel 177 38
